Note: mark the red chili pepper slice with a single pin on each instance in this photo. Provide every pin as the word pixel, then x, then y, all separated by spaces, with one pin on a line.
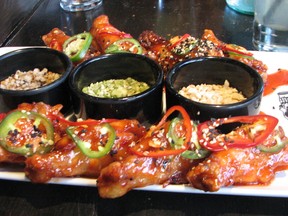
pixel 2 116
pixel 142 151
pixel 255 130
pixel 181 39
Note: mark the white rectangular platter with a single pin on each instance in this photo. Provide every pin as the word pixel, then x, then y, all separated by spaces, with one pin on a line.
pixel 270 105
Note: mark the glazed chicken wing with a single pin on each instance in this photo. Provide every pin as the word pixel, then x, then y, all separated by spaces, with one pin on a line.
pixel 154 160
pixel 157 49
pixel 238 166
pixel 63 163
pixel 166 52
pixel 169 52
pixel 55 40
pixel 120 177
pixel 8 157
pixel 104 34
pixel 236 52
pixel 68 160
pixel 43 109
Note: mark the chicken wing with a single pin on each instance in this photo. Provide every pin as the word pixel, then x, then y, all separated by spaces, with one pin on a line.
pixel 169 52
pixel 154 160
pixel 104 34
pixel 67 159
pixel 41 108
pixel 67 162
pixel 120 177
pixel 56 38
pixel 249 60
pixel 238 166
pixel 8 157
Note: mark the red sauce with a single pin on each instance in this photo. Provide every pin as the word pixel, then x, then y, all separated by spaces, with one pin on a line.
pixel 275 80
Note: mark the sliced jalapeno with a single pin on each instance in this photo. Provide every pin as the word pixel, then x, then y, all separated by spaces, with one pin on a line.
pixel 104 147
pixel 196 154
pixel 176 141
pixel 77 46
pixel 26 133
pixel 125 45
pixel 275 148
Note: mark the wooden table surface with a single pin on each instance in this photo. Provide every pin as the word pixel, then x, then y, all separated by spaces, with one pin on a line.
pixel 24 22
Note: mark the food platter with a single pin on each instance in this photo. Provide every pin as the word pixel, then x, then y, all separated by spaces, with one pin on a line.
pixel 270 105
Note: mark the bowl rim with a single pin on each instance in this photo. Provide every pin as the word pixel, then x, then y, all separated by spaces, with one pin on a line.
pixel 171 73
pixel 45 88
pixel 158 82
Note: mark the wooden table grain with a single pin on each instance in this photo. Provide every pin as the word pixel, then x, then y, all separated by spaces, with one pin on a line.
pixel 24 22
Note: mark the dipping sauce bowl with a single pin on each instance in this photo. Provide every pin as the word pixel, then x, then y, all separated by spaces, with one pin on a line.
pixel 215 70
pixel 26 59
pixel 146 106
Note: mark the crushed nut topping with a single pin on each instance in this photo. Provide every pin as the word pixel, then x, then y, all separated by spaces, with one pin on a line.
pixel 212 94
pixel 27 80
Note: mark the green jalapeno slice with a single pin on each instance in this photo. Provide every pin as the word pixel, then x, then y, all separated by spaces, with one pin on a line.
pixel 77 46
pixel 125 45
pixel 26 133
pixel 101 148
pixel 277 147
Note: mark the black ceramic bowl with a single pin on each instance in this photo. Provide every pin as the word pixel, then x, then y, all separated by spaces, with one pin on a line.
pixel 215 70
pixel 146 107
pixel 27 59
